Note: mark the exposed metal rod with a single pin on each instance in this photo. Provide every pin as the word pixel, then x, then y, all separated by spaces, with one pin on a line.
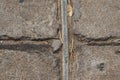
pixel 65 39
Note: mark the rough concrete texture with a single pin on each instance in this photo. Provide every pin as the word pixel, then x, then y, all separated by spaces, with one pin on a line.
pixel 29 40
pixel 97 18
pixel 28 62
pixel 34 19
pixel 97 47
pixel 24 21
pixel 96 63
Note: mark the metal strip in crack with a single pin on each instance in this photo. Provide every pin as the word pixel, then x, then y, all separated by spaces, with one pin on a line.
pixel 65 39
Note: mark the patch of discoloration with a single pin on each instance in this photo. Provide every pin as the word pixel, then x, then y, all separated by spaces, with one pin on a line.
pixel 96 63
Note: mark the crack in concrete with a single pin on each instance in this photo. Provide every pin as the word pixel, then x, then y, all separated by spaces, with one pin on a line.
pixel 103 41
pixel 30 48
pixel 23 38
pixel 104 44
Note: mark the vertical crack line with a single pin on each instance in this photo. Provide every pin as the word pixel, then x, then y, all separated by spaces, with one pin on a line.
pixel 65 56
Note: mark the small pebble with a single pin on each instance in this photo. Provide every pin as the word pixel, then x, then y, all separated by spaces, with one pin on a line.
pixel 56 45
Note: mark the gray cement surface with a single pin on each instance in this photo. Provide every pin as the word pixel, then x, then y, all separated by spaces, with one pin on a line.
pixel 28 61
pixel 34 19
pixel 97 18
pixel 29 40
pixel 96 63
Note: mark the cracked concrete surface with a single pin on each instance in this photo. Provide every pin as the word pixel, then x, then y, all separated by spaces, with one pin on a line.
pixel 27 28
pixel 29 40
pixel 97 46
pixel 28 61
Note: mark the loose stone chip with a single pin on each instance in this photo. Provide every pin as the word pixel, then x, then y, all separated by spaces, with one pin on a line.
pixel 69 10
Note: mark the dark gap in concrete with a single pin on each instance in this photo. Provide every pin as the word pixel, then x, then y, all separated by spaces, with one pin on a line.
pixel 21 1
pixel 30 48
pixel 104 41
pixel 117 52
pixel 103 44
pixel 22 38
pixel 87 39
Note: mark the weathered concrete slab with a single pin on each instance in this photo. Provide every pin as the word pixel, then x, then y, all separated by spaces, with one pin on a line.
pixel 28 62
pixel 34 19
pixel 96 63
pixel 97 18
